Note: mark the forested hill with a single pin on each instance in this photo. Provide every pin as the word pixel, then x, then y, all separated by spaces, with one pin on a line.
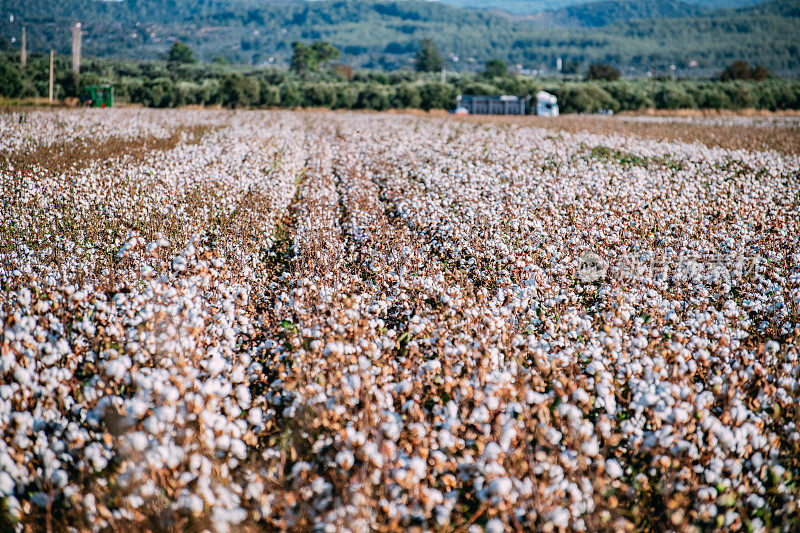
pixel 527 7
pixel 385 34
pixel 605 12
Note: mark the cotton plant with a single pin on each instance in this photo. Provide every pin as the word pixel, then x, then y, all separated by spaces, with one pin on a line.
pixel 352 322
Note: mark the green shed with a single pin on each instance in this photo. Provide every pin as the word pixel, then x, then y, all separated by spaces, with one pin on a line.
pixel 99 95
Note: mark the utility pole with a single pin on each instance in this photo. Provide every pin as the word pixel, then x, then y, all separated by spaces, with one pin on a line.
pixel 50 92
pixel 444 75
pixel 655 75
pixel 23 57
pixel 350 83
pixel 76 48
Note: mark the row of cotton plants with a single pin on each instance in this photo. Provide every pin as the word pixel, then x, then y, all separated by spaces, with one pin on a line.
pixel 355 322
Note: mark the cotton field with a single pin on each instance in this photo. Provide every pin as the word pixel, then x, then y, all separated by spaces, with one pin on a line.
pixel 231 321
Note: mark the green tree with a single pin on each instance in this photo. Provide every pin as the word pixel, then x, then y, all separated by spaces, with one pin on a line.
pixel 671 96
pixel 407 96
pixel 180 53
pixel 70 83
pixel 324 52
pixel 428 58
pixel 10 79
pixel 495 68
pixel 308 58
pixel 238 91
pixel 602 71
pixel 436 95
pixel 760 73
pixel 373 96
pixel 740 70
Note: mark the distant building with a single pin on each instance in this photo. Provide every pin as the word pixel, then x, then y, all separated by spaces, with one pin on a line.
pixel 492 105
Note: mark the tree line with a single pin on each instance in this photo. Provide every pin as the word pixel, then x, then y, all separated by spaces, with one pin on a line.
pixel 312 81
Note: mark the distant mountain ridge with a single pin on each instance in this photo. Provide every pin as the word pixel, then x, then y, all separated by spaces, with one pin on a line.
pixel 605 12
pixel 526 7
pixel 385 34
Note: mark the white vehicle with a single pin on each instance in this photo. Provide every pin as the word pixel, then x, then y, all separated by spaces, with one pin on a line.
pixel 546 104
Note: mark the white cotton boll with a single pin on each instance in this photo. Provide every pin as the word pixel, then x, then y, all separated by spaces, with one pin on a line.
pixel 480 414
pixel 215 365
pixel 432 365
pixel 223 442
pixel 491 452
pixel 255 489
pixel 679 415
pixel 117 368
pixel 255 416
pixel 23 376
pixel 442 515
pixel 613 469
pixel 179 263
pixel 580 396
pixel 418 466
pixel 345 459
pixel 495 525
pixel 535 398
pixel 243 396
pixel 333 348
pixel 24 297
pixel 553 436
pixel 194 504
pixel 446 440
pixel 94 454
pixel 136 408
pixel 165 414
pixel 6 483
pixel 137 440
pixel 492 403
pixel 370 449
pixel 591 447
pixel 391 429
pixel 13 508
pixel 559 517
pixel 152 425
pixel 500 487
pixel 238 449
pixel 134 501
pixel 772 346
pixel 60 479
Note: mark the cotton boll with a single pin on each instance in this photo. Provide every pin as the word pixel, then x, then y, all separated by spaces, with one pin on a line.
pixel 215 365
pixel 500 487
pixel 255 416
pixel 118 368
pixel 179 263
pixel 238 449
pixel 553 436
pixel 6 484
pixel 613 469
pixel 137 440
pixel 495 525
pixel 345 459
